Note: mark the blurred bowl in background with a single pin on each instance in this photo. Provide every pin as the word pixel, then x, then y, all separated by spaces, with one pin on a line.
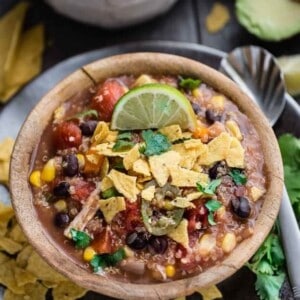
pixel 111 13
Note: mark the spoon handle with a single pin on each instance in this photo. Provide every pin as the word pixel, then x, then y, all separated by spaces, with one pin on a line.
pixel 291 242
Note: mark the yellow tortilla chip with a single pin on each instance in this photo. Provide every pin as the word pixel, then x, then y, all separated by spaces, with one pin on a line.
pixel 186 178
pixel 106 149
pixel 160 165
pixel 38 267
pixel 180 234
pixel 23 256
pixel 68 291
pixel 172 132
pixel 217 18
pixel 49 284
pixel 6 147
pixel 132 156
pixel 10 29
pixel 210 293
pixel 6 213
pixel 4 172
pixel 23 277
pixel 235 155
pixel 3 258
pixel 218 102
pixel 28 58
pixel 234 129
pixel 256 193
pixel 105 168
pixel 141 167
pixel 9 245
pixel 100 133
pixel 182 202
pixel 106 184
pixel 144 179
pixel 111 137
pixel 7 277
pixel 111 206
pixel 148 193
pixel 188 156
pixel 125 184
pixel 17 234
pixel 216 150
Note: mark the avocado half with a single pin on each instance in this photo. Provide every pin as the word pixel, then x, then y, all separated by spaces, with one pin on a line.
pixel 271 20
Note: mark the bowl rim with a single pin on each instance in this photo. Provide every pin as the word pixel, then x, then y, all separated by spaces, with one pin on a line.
pixel 138 63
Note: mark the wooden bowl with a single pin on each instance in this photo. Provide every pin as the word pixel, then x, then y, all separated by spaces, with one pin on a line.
pixel 137 63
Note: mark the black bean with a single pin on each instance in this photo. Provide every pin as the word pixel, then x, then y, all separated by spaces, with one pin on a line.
pixel 61 220
pixel 217 170
pixel 88 127
pixel 241 207
pixel 157 244
pixel 196 108
pixel 62 189
pixel 136 240
pixel 70 165
pixel 211 116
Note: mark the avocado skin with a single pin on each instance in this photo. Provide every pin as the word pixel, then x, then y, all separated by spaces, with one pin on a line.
pixel 270 20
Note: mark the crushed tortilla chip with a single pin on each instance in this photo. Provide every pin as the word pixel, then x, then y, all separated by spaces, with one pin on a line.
pixel 106 184
pixel 125 184
pixel 111 137
pixel 67 291
pixel 106 149
pixel 182 202
pixel 188 156
pixel 104 168
pixel 23 256
pixel 111 206
pixel 210 293
pixel 6 147
pixel 235 155
pixel 23 277
pixel 100 133
pixel 32 291
pixel 148 193
pixel 180 234
pixel 132 156
pixel 3 258
pixel 172 132
pixel 217 18
pixel 141 167
pixel 17 234
pixel 160 165
pixel 256 193
pixel 6 213
pixel 234 129
pixel 9 245
pixel 186 178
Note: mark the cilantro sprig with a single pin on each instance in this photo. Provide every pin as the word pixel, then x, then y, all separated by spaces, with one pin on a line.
pixel 238 176
pixel 87 113
pixel 111 192
pixel 210 188
pixel 123 142
pixel 155 143
pixel 101 261
pixel 212 206
pixel 189 83
pixel 81 239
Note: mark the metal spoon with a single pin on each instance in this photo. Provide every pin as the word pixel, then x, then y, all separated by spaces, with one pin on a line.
pixel 255 70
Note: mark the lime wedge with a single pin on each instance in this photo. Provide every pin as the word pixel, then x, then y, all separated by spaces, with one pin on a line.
pixel 153 106
pixel 290 66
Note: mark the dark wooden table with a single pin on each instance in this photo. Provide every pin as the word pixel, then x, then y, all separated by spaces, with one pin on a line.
pixel 184 22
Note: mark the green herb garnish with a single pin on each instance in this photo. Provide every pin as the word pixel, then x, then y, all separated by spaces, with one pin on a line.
pixel 126 135
pixel 179 141
pixel 156 143
pixel 238 176
pixel 81 239
pixel 111 192
pixel 210 188
pixel 101 261
pixel 86 113
pixel 189 83
pixel 212 206
pixel 123 142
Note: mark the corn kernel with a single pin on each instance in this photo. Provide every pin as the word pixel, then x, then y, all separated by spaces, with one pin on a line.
pixel 35 178
pixel 229 242
pixel 168 205
pixel 60 205
pixel 88 253
pixel 197 93
pixel 81 160
pixel 128 252
pixel 218 102
pixel 170 271
pixel 143 79
pixel 48 172
pixel 234 129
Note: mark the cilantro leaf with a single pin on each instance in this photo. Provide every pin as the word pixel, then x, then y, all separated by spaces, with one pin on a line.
pixel 212 206
pixel 111 192
pixel 156 143
pixel 122 145
pixel 264 267
pixel 268 286
pixel 86 113
pixel 101 261
pixel 189 83
pixel 238 176
pixel 81 239
pixel 126 135
pixel 290 150
pixel 210 188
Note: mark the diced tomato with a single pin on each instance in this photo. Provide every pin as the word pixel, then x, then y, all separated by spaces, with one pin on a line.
pixel 196 215
pixel 133 216
pixel 106 97
pixel 67 135
pixel 103 242
pixel 82 189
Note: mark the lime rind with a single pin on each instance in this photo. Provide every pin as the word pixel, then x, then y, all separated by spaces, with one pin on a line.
pixel 155 106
